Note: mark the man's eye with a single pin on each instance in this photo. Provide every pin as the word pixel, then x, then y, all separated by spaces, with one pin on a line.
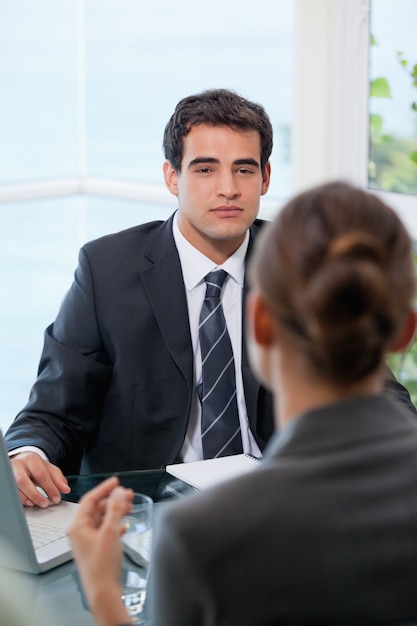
pixel 204 170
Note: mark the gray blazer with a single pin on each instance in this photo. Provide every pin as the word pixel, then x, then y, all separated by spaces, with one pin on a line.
pixel 323 532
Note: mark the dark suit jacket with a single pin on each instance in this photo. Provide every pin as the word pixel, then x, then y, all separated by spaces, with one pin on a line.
pixel 116 374
pixel 323 532
pixel 115 378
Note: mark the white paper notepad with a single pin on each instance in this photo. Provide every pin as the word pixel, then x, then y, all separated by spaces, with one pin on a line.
pixel 203 474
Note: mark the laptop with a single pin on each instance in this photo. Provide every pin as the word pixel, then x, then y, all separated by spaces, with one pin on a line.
pixel 36 537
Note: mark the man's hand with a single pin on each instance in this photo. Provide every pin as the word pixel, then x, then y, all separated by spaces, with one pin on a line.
pixel 95 538
pixel 32 472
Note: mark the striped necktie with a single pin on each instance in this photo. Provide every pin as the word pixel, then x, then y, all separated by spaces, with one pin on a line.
pixel 220 427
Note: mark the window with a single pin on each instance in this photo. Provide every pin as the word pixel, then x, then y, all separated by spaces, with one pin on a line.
pixel 393 127
pixel 38 75
pixel 335 65
pixel 87 88
pixel 393 96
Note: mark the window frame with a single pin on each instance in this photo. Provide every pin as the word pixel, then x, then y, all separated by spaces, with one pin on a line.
pixel 332 63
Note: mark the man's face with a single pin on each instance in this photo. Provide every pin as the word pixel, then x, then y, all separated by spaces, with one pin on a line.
pixel 219 187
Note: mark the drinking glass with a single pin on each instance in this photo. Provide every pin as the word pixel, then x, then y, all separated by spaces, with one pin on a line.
pixel 136 544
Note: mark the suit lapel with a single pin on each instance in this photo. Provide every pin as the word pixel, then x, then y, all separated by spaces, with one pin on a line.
pixel 165 288
pixel 250 383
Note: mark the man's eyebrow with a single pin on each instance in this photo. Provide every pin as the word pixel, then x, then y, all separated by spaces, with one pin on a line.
pixel 248 161
pixel 202 160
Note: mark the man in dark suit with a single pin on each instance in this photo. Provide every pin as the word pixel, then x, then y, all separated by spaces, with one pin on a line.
pixel 118 379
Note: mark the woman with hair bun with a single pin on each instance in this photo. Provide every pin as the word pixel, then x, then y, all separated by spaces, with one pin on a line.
pixel 335 273
pixel 324 531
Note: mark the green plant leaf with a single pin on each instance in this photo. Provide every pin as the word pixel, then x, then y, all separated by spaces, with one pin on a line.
pixel 411 386
pixel 375 122
pixel 373 41
pixel 414 106
pixel 380 88
pixel 412 354
pixel 401 59
pixel 413 156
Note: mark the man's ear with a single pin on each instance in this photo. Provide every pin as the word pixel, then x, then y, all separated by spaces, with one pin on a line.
pixel 407 333
pixel 261 320
pixel 171 177
pixel 266 179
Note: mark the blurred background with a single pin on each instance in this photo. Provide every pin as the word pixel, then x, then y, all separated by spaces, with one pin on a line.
pixel 87 86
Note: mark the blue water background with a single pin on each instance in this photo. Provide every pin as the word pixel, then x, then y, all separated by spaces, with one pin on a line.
pixel 86 88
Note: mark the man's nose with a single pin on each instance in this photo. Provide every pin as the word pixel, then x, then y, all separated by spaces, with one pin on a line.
pixel 227 185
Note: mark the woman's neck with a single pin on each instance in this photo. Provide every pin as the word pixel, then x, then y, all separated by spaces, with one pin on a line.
pixel 297 390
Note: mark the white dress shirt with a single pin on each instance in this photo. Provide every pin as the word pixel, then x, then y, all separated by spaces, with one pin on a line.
pixel 195 266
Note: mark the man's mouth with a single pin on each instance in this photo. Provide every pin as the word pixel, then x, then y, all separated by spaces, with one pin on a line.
pixel 227 211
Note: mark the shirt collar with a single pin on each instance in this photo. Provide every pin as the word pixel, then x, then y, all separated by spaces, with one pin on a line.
pixel 195 265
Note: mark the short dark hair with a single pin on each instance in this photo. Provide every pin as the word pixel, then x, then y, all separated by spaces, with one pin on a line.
pixel 216 107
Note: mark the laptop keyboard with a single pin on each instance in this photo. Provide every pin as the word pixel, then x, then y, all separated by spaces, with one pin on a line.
pixel 44 535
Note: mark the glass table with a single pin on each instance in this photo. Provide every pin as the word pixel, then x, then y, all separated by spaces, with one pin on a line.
pixel 57 595
pixel 157 484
